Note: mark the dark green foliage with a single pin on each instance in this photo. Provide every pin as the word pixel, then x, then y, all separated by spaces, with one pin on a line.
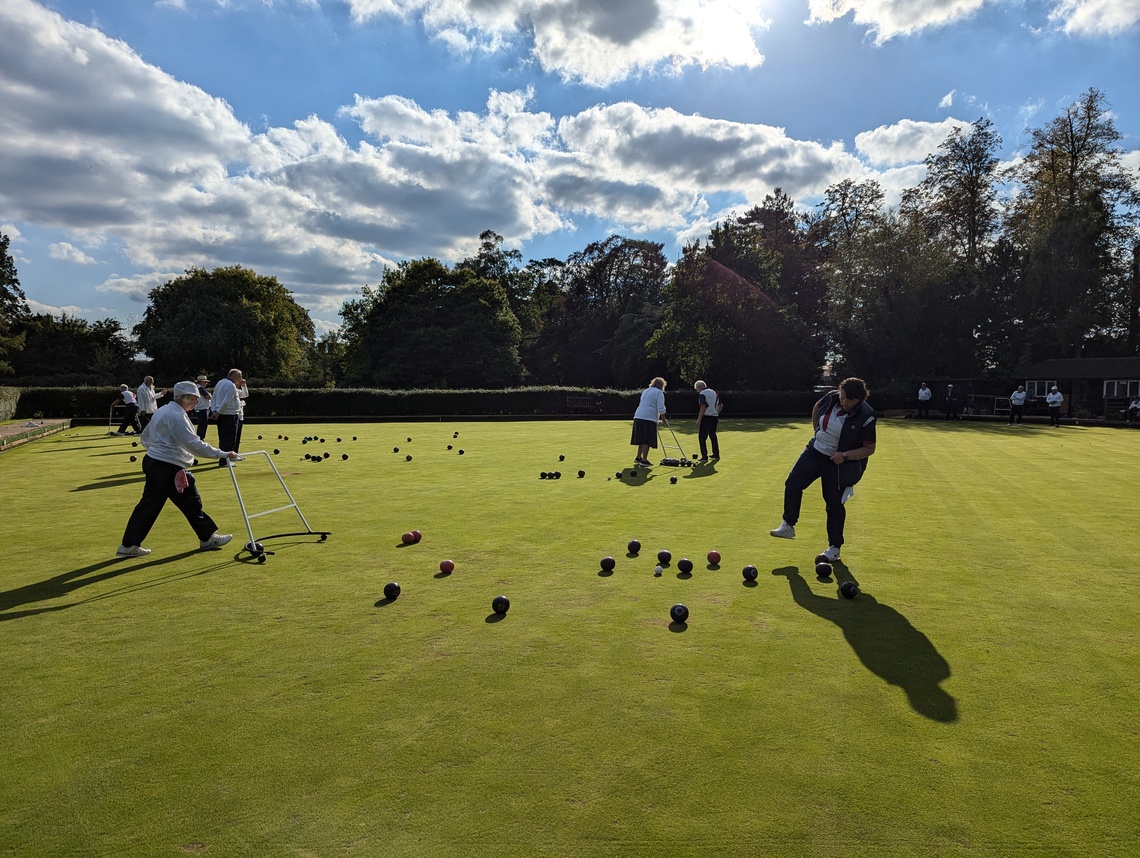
pixel 95 352
pixel 228 317
pixel 13 307
pixel 433 326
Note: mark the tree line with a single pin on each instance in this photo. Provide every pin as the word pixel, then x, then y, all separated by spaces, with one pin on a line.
pixel 980 271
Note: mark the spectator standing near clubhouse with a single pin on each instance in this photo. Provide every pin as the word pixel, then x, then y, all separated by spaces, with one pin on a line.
pixel 130 410
pixel 171 445
pixel 708 416
pixel 148 400
pixel 924 395
pixel 202 409
pixel 1054 401
pixel 1017 405
pixel 650 409
pixel 227 404
pixel 844 424
pixel 951 403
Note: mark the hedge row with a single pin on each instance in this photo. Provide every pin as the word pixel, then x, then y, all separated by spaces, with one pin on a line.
pixel 280 403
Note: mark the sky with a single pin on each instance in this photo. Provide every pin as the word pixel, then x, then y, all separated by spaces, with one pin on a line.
pixel 319 141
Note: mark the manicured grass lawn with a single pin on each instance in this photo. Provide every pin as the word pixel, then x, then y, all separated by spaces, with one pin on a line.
pixel 979 697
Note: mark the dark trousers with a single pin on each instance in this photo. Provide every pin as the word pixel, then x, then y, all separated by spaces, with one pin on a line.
pixel 159 488
pixel 144 418
pixel 130 419
pixel 809 467
pixel 229 433
pixel 203 418
pixel 1015 412
pixel 1055 415
pixel 923 409
pixel 707 432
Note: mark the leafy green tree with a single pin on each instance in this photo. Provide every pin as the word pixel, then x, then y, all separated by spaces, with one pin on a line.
pixel 228 317
pixel 957 200
pixel 1075 221
pixel 13 306
pixel 98 352
pixel 327 359
pixel 594 291
pixel 428 325
pixel 734 328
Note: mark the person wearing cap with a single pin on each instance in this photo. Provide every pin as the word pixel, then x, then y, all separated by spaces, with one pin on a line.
pixel 130 410
pixel 1054 400
pixel 171 445
pixel 951 403
pixel 229 407
pixel 202 409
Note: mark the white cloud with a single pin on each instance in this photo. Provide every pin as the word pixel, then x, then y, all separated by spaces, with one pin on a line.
pixel 68 252
pixel 890 18
pixel 905 142
pixel 95 142
pixel 947 100
pixel 10 230
pixel 596 42
pixel 40 309
pixel 1096 17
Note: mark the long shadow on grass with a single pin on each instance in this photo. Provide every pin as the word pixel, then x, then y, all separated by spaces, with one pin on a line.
pixel 885 642
pixel 68 582
pixel 113 480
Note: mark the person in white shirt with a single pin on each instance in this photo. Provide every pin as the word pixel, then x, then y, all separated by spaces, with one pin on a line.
pixel 708 416
pixel 130 410
pixel 228 404
pixel 1054 400
pixel 171 445
pixel 1132 412
pixel 148 400
pixel 202 409
pixel 924 396
pixel 650 409
pixel 1017 405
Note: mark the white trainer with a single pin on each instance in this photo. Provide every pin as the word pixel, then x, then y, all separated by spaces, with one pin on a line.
pixel 848 493
pixel 131 551
pixel 832 553
pixel 215 542
pixel 784 531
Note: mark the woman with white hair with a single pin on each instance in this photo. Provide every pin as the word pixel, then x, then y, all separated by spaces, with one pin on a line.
pixel 171 445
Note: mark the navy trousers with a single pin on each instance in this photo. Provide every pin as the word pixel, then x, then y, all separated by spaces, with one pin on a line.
pixel 809 467
pixel 229 433
pixel 707 432
pixel 159 489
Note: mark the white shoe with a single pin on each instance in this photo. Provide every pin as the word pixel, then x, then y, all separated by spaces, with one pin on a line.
pixel 848 493
pixel 832 553
pixel 215 542
pixel 784 531
pixel 131 551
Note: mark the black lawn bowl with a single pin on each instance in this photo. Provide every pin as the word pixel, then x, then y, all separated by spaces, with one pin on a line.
pixel 391 590
pixel 849 589
pixel 749 572
pixel 500 604
pixel 408 457
pixel 581 474
pixel 672 481
pixel 633 472
pixel 634 546
pixel 324 455
pixel 822 558
pixel 679 613
pixel 543 475
pixel 344 457
pixel 460 452
pixel 276 451
pixel 663 557
pixel 685 565
pixel 395 449
pixel 449 446
pixel 823 570
pixel 561 458
pixel 308 455
pixel 608 564
pixel 618 475
pixel 557 475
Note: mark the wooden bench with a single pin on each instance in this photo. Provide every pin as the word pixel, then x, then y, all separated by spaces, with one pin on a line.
pixel 584 404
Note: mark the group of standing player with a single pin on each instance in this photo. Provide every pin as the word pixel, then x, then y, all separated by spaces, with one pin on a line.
pixel 844 437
